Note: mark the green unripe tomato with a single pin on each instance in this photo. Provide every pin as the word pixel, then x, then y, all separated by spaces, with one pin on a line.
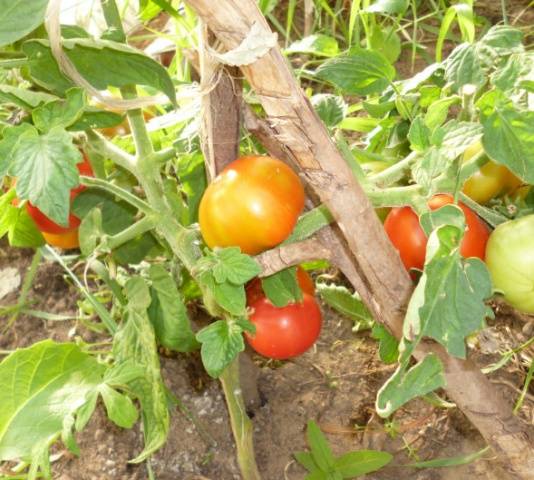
pixel 510 260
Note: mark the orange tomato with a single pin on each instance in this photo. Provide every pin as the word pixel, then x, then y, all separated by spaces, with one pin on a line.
pixel 67 240
pixel 254 203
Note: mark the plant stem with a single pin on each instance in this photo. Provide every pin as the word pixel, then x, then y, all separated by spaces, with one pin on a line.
pixel 108 149
pixel 109 187
pixel 133 231
pixel 490 216
pixel 164 155
pixel 394 196
pixel 241 424
pixel 113 19
pixel 13 63
pixel 26 286
pixel 504 14
pixel 395 172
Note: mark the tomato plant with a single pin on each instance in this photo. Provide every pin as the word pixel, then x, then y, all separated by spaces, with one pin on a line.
pixel 284 332
pixel 44 224
pixel 405 232
pixel 253 203
pixel 510 260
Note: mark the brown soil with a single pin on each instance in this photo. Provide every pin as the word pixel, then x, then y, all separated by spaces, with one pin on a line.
pixel 335 384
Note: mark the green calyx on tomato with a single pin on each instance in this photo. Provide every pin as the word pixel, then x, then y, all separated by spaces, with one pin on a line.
pixel 510 261
pixel 254 203
pixel 404 230
pixel 53 232
pixel 284 332
pixel 490 181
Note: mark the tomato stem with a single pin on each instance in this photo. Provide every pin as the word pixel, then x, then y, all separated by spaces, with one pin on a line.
pixel 394 196
pixel 26 286
pixel 133 231
pixel 395 172
pixel 241 424
pixel 118 192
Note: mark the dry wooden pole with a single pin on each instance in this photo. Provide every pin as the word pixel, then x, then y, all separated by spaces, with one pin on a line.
pixel 221 124
pixel 375 269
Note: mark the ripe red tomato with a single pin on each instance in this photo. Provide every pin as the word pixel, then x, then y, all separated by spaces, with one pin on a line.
pixel 44 224
pixel 254 289
pixel 405 232
pixel 254 203
pixel 66 240
pixel 284 332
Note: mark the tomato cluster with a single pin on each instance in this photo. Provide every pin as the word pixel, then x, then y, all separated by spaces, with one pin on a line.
pixel 54 234
pixel 254 203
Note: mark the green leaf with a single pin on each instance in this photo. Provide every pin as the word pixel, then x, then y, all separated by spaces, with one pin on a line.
pixel 221 342
pixel 451 461
pixel 464 13
pixel 229 296
pixel 348 304
pixel 192 175
pixel 10 138
pixel 90 231
pixel 518 68
pixel 499 42
pixel 464 67
pixel 419 135
pixel 354 464
pixel 509 140
pixel 95 118
pixel 437 112
pixel 388 348
pixel 306 460
pixel 388 6
pixel 233 266
pixel 60 113
pixel 168 314
pixel 309 223
pixel 135 342
pixel 320 450
pixel 454 292
pixel 120 408
pixel 361 72
pixel 116 215
pixel 470 63
pixel 282 287
pixel 41 386
pixel 20 17
pixel 318 44
pixel 330 108
pixel 431 168
pixel 45 167
pixel 17 224
pixel 23 97
pixel 385 40
pixel 102 63
pixel 67 435
pixel 403 386
pixel 455 136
